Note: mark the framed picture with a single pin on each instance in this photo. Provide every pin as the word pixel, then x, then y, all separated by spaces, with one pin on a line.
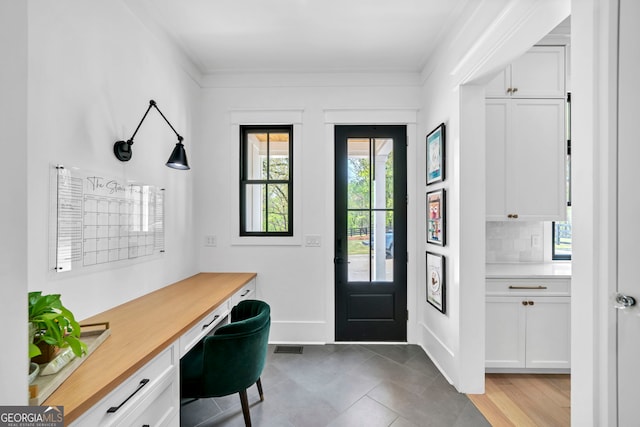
pixel 436 227
pixel 435 154
pixel 436 283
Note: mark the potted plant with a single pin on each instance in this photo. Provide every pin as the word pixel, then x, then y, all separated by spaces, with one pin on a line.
pixel 53 324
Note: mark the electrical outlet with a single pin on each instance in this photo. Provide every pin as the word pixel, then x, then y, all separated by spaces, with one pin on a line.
pixel 210 241
pixel 312 240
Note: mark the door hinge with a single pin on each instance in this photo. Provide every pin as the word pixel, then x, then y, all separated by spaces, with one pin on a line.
pixel 407 315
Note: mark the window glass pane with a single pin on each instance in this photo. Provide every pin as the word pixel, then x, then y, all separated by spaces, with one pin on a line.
pixel 359 173
pixel 255 207
pixel 278 208
pixel 382 253
pixel 562 238
pixel 383 174
pixel 256 155
pixel 359 246
pixel 279 156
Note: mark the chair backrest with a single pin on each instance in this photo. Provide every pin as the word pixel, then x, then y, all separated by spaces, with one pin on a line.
pixel 235 355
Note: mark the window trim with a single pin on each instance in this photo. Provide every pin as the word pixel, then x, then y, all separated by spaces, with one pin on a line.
pixel 262 116
pixel 244 181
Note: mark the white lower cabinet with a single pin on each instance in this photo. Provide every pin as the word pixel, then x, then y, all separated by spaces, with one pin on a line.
pixel 528 326
pixel 150 397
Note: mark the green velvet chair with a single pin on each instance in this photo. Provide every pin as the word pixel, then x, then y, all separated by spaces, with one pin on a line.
pixel 232 359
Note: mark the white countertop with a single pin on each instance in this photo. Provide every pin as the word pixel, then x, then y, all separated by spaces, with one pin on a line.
pixel 559 269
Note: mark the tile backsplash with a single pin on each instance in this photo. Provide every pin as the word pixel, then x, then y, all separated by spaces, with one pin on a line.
pixel 514 242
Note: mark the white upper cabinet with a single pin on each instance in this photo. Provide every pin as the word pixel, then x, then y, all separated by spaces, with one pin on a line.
pixel 525 159
pixel 539 73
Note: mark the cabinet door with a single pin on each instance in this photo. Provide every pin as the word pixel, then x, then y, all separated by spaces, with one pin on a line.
pixel 505 332
pixel 535 160
pixel 539 73
pixel 548 333
pixel 498 116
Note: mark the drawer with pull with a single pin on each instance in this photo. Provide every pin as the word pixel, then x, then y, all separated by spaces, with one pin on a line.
pixel 248 291
pixel 204 327
pixel 528 286
pixel 130 396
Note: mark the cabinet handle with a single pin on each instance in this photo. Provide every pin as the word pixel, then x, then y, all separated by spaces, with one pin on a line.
pixel 245 293
pixel 509 90
pixel 209 324
pixel 524 302
pixel 527 287
pixel 515 89
pixel 530 302
pixel 113 409
pixel 512 216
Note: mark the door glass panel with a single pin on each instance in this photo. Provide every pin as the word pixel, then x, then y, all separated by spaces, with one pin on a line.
pixel 254 207
pixel 382 251
pixel 256 155
pixel 359 246
pixel 383 174
pixel 359 173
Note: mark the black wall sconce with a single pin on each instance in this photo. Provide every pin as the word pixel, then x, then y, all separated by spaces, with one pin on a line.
pixel 178 158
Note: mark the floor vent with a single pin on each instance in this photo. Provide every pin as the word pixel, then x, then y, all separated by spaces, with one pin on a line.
pixel 288 349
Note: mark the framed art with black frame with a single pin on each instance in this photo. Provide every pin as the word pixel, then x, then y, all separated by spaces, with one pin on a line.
pixel 436 283
pixel 436 154
pixel 436 227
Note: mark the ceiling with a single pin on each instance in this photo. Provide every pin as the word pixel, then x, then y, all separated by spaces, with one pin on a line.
pixel 303 35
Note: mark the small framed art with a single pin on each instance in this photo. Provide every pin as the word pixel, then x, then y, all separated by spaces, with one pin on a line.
pixel 436 283
pixel 435 154
pixel 436 227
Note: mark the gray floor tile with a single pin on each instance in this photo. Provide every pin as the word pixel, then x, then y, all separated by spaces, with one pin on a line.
pixel 344 385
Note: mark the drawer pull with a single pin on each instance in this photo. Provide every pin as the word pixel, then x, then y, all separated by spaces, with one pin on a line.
pixel 244 294
pixel 209 324
pixel 113 409
pixel 527 287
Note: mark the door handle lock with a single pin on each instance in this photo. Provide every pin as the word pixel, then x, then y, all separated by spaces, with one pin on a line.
pixel 624 301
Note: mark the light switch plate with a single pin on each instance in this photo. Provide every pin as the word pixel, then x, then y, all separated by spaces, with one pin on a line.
pixel 210 241
pixel 312 240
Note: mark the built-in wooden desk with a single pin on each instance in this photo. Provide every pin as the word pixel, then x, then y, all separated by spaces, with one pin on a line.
pixel 140 330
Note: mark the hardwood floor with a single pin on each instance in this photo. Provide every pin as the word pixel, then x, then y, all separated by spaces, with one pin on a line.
pixel 524 400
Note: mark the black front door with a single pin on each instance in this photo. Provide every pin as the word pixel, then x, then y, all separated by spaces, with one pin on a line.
pixel 371 233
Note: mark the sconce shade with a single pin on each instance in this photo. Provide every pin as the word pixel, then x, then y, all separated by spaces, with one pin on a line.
pixel 178 158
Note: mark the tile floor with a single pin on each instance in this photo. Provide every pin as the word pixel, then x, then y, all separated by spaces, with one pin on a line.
pixel 344 385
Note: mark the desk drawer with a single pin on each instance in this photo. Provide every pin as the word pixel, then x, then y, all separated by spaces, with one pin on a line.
pixel 248 291
pixel 533 287
pixel 205 326
pixel 131 395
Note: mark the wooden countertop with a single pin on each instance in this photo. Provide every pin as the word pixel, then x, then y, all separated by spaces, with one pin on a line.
pixel 141 329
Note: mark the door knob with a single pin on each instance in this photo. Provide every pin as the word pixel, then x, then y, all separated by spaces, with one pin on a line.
pixel 624 301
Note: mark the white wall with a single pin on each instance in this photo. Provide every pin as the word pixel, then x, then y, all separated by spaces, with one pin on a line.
pixel 593 340
pixel 485 40
pixel 93 67
pixel 13 221
pixel 297 281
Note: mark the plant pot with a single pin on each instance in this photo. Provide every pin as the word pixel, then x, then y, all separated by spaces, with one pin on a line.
pixel 48 353
pixel 34 369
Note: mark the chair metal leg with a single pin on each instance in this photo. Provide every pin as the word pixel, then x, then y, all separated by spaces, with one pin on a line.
pixel 245 407
pixel 259 384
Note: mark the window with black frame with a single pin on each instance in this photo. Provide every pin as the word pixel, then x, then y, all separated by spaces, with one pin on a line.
pixel 561 230
pixel 266 180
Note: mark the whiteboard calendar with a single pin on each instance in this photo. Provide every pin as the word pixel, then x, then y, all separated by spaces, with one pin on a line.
pixel 101 219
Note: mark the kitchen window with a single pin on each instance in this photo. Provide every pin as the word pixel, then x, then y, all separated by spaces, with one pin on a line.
pixel 266 180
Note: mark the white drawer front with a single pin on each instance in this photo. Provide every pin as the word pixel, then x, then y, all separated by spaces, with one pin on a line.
pixel 248 291
pixel 203 327
pixel 534 287
pixel 129 395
